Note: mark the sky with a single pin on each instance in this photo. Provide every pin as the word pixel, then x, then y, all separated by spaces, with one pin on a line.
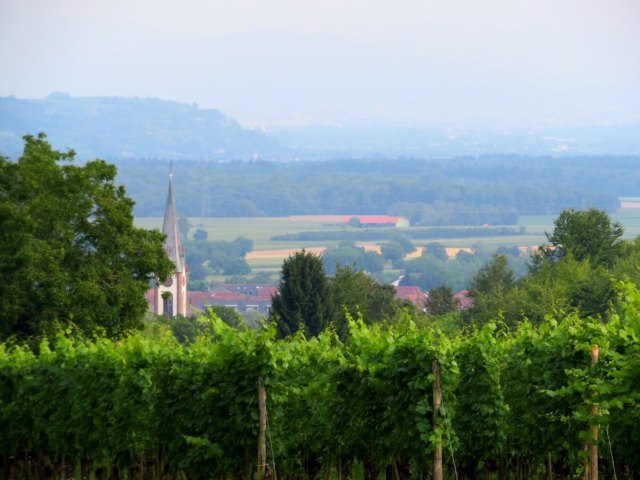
pixel 465 63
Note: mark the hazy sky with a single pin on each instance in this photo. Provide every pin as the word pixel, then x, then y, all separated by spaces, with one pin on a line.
pixel 266 62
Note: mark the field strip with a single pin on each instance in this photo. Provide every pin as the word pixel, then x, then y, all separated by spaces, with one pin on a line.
pixel 282 253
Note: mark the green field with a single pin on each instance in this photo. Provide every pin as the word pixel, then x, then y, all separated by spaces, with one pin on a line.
pixel 258 229
pixel 261 229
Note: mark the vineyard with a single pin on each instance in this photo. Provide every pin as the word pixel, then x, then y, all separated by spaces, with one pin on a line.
pixel 529 403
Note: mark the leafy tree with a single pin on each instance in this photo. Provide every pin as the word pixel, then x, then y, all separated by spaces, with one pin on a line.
pixel 69 252
pixel 304 299
pixel 184 329
pixel 197 285
pixel 354 222
pixel 354 293
pixel 464 256
pixel 347 253
pixel 233 265
pixel 404 242
pixel 200 235
pixel 626 265
pixel 441 301
pixel 489 290
pixel 426 272
pixel 437 250
pixel 587 235
pixel 561 286
pixel 574 271
pixel 392 251
pixel 198 271
pixel 219 257
pixel 241 246
pixel 228 315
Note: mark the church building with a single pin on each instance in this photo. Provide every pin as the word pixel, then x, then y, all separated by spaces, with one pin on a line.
pixel 170 298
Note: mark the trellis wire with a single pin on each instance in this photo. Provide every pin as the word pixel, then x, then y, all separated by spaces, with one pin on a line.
pixel 273 457
pixel 446 424
pixel 613 463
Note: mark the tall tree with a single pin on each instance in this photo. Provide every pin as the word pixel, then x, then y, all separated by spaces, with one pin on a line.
pixel 355 292
pixel 489 290
pixel 441 301
pixel 304 298
pixel 69 252
pixel 586 235
pixel 436 249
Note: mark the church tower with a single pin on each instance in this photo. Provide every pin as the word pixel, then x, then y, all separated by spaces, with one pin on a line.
pixel 170 297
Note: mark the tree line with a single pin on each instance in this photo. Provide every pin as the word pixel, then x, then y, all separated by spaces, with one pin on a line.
pixel 461 191
pixel 366 234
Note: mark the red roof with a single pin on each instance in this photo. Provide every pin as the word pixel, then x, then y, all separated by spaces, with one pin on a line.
pixel 413 294
pixel 464 300
pixel 267 292
pixel 258 291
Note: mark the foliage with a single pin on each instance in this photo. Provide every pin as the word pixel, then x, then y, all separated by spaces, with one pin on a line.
pixel 304 298
pixel 184 329
pixel 357 294
pixel 489 290
pixel 392 234
pixel 392 251
pixel 466 191
pixel 429 272
pixel 354 222
pixel 443 213
pixel 574 273
pixel 585 235
pixel 481 410
pixel 436 250
pixel 348 254
pixel 228 315
pixel 200 235
pixel 441 301
pixel 515 400
pixel 214 258
pixel 69 252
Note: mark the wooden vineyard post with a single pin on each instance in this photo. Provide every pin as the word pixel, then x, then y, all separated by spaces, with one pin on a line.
pixel 437 402
pixel 593 448
pixel 262 429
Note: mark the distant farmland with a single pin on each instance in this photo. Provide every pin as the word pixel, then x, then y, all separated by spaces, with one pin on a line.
pixel 268 254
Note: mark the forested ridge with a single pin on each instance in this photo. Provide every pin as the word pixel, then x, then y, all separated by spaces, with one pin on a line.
pixel 119 127
pixel 458 191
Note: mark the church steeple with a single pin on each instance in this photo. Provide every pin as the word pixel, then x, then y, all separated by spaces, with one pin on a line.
pixel 173 245
pixel 170 298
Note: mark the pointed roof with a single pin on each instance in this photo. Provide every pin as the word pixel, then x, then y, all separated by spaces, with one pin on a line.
pixel 173 245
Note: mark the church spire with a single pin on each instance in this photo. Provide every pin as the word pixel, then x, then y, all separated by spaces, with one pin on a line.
pixel 173 245
pixel 170 297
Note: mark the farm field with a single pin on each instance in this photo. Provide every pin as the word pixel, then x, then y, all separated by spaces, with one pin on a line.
pixel 268 254
pixel 261 229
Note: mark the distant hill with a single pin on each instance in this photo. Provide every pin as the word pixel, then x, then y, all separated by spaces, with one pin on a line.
pixel 118 128
pixel 316 141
